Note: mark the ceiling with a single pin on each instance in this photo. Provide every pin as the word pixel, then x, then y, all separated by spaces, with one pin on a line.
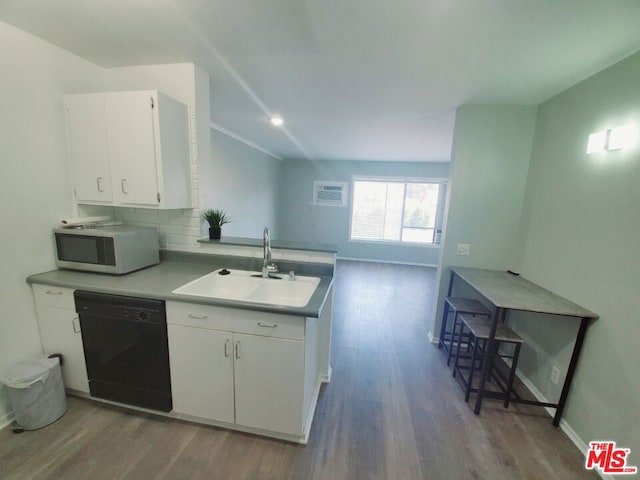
pixel 353 79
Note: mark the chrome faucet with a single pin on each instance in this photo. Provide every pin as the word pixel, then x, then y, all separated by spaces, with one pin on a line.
pixel 267 265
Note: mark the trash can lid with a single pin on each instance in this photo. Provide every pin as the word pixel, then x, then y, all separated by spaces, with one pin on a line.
pixel 25 374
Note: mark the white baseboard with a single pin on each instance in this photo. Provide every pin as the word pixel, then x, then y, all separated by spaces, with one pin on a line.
pixel 6 420
pixel 326 377
pixel 564 426
pixel 432 339
pixel 373 260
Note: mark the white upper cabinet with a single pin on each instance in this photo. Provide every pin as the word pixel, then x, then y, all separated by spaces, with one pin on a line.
pixel 87 138
pixel 138 145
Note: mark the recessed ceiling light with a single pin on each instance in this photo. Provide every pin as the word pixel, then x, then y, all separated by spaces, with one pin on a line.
pixel 276 121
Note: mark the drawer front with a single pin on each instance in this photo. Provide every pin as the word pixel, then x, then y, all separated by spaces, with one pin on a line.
pixel 201 316
pixel 59 297
pixel 269 324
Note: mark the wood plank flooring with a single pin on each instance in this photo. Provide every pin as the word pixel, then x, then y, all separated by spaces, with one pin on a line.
pixel 391 411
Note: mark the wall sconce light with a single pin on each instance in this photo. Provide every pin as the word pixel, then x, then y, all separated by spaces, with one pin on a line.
pixel 621 138
pixel 618 138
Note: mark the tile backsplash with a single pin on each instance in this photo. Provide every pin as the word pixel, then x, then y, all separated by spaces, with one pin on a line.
pixel 178 229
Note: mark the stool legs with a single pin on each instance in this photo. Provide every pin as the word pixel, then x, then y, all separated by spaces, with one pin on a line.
pixel 453 335
pixel 443 325
pixel 455 362
pixel 472 369
pixel 478 349
pixel 512 375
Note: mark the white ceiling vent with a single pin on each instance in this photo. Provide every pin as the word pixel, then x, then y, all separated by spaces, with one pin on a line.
pixel 330 194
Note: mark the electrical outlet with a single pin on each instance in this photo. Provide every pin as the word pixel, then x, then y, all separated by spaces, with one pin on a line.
pixel 463 249
pixel 555 375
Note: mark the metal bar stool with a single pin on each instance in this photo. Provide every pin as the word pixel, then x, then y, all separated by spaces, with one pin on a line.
pixel 478 332
pixel 457 306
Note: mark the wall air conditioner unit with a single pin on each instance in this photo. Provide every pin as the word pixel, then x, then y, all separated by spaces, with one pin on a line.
pixel 330 194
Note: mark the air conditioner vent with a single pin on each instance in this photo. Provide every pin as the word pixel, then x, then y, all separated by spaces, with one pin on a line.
pixel 330 194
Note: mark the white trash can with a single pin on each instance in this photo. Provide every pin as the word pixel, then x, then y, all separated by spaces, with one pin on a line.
pixel 36 392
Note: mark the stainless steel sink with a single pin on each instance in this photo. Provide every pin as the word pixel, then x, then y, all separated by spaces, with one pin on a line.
pixel 249 286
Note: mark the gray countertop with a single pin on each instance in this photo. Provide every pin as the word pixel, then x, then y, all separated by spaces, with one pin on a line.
pixel 160 280
pixel 505 290
pixel 278 244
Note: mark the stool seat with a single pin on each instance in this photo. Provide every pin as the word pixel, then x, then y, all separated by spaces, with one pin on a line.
pixel 480 328
pixel 457 306
pixel 467 305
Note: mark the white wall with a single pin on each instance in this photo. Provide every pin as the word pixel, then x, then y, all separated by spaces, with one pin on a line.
pixel 245 187
pixel 489 165
pixel 582 225
pixel 302 221
pixel 35 181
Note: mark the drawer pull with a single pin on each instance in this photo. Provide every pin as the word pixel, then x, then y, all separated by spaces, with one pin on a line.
pixel 51 292
pixel 226 347
pixel 267 325
pixel 198 317
pixel 237 348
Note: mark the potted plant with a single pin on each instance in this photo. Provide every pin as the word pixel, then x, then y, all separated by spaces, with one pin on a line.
pixel 216 218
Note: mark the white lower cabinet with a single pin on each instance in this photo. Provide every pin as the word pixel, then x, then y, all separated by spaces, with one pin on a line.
pixel 60 332
pixel 201 372
pixel 252 380
pixel 269 383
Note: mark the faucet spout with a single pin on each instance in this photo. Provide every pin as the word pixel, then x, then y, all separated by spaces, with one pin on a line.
pixel 267 265
pixel 266 244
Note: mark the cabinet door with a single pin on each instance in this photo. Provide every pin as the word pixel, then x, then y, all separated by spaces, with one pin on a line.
pixel 269 383
pixel 60 333
pixel 201 372
pixel 87 139
pixel 132 139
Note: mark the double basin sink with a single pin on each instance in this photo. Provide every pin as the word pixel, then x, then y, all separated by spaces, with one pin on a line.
pixel 248 286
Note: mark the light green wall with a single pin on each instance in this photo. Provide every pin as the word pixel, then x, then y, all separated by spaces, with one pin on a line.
pixel 489 165
pixel 538 204
pixel 246 186
pixel 300 220
pixel 581 228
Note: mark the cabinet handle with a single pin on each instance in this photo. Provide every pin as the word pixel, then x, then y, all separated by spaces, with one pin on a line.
pixel 237 348
pixel 51 292
pixel 226 347
pixel 99 184
pixel 76 325
pixel 267 325
pixel 196 317
pixel 123 184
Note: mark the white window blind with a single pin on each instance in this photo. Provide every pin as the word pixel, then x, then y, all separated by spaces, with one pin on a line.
pixel 394 211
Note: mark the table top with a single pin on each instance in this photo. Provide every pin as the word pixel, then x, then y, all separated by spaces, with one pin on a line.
pixel 509 291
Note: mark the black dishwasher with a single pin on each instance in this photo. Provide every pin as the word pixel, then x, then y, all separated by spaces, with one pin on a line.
pixel 126 349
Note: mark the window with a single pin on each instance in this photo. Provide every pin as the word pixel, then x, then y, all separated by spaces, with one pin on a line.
pixel 396 211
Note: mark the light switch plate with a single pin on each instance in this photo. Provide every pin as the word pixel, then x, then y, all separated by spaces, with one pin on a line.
pixel 463 249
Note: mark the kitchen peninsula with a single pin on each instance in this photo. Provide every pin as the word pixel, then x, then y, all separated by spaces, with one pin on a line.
pixel 254 367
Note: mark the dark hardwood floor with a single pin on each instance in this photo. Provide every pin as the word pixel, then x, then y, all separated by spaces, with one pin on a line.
pixel 391 411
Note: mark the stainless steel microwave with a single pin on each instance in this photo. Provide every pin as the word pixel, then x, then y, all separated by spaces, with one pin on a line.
pixel 110 249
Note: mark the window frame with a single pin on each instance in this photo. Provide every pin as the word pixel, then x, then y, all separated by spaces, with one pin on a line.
pixel 443 182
